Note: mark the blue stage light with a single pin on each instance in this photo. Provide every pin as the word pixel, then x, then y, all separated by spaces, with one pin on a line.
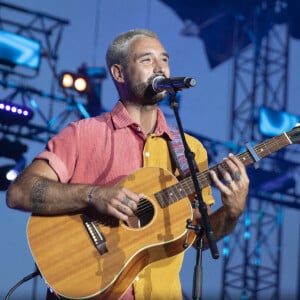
pixel 13 173
pixel 13 153
pixel 17 50
pixel 273 123
pixel 11 113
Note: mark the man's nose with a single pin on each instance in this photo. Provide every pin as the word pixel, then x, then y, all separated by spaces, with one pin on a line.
pixel 159 67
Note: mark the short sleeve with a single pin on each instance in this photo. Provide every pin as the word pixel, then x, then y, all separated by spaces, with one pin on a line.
pixel 61 153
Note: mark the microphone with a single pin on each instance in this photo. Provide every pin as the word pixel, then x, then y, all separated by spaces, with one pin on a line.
pixel 161 83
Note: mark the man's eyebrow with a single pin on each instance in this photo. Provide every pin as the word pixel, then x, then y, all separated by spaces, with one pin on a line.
pixel 143 54
pixel 165 54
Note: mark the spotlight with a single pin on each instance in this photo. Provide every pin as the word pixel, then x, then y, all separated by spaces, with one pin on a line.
pixel 14 151
pixel 4 182
pixel 75 81
pixel 67 80
pixel 13 172
pixel 272 122
pixel 9 172
pixel 82 80
pixel 17 50
pixel 11 113
pixel 80 84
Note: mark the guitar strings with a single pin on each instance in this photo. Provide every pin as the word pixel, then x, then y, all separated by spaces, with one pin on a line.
pixel 146 206
pixel 245 157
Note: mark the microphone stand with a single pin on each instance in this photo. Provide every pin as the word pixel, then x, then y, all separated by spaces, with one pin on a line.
pixel 203 227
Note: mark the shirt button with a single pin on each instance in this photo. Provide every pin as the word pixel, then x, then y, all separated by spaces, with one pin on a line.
pixel 147 154
pixel 137 278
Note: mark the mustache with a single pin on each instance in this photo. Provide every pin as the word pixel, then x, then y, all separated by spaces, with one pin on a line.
pixel 150 79
pixel 149 90
pixel 155 97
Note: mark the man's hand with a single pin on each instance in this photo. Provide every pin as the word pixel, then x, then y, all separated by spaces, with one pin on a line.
pixel 115 201
pixel 234 187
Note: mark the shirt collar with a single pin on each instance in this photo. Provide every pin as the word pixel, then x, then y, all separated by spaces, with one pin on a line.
pixel 121 119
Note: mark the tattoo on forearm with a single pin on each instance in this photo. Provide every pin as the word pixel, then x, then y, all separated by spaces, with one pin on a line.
pixel 38 195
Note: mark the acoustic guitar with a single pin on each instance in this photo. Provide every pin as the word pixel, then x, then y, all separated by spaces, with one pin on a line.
pixel 84 255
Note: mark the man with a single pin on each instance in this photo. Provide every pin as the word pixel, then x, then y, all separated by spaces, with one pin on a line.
pixel 81 166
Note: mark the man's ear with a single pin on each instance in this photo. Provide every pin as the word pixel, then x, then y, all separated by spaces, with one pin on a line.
pixel 117 73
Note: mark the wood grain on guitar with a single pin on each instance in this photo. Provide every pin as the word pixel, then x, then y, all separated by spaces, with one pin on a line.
pixel 87 255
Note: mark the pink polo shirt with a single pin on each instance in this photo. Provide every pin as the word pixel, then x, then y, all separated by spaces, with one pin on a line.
pixel 103 150
pixel 100 150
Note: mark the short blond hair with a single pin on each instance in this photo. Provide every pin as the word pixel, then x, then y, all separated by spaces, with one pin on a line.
pixel 118 50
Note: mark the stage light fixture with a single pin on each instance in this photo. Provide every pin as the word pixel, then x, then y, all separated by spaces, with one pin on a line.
pixel 67 80
pixel 82 80
pixel 11 113
pixel 8 173
pixel 80 84
pixel 14 152
pixel 17 50
pixel 75 81
pixel 4 182
pixel 272 122
pixel 13 172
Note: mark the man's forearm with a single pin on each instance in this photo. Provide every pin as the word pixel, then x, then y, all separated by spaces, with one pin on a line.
pixel 43 196
pixel 222 224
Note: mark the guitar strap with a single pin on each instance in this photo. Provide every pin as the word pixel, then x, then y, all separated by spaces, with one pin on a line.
pixel 176 149
pixel 178 158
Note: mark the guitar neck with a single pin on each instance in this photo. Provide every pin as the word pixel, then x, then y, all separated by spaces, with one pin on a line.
pixel 261 150
pixel 185 187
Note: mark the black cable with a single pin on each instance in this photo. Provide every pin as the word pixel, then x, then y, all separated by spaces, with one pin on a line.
pixel 26 278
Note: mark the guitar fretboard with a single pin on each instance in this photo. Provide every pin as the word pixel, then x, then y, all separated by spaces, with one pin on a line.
pixel 185 187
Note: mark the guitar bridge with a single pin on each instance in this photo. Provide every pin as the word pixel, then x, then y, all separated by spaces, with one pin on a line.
pixel 95 234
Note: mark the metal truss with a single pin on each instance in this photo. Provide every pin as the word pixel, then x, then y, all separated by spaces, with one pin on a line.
pixel 36 25
pixel 45 123
pixel 54 109
pixel 252 253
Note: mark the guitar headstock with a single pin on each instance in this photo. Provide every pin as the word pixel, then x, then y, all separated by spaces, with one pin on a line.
pixel 294 134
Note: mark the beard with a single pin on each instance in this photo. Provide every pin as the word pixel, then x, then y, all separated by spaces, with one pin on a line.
pixel 153 97
pixel 143 93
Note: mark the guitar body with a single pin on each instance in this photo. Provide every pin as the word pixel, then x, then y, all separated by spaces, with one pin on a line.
pixel 95 256
pixel 73 266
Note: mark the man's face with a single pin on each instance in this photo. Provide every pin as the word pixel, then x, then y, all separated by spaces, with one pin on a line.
pixel 147 59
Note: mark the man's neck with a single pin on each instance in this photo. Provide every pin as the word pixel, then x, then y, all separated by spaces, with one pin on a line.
pixel 145 115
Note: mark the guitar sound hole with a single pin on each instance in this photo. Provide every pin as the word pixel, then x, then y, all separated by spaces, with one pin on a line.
pixel 143 214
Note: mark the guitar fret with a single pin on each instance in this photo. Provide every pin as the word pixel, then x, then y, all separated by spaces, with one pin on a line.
pixel 170 195
pixel 186 187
